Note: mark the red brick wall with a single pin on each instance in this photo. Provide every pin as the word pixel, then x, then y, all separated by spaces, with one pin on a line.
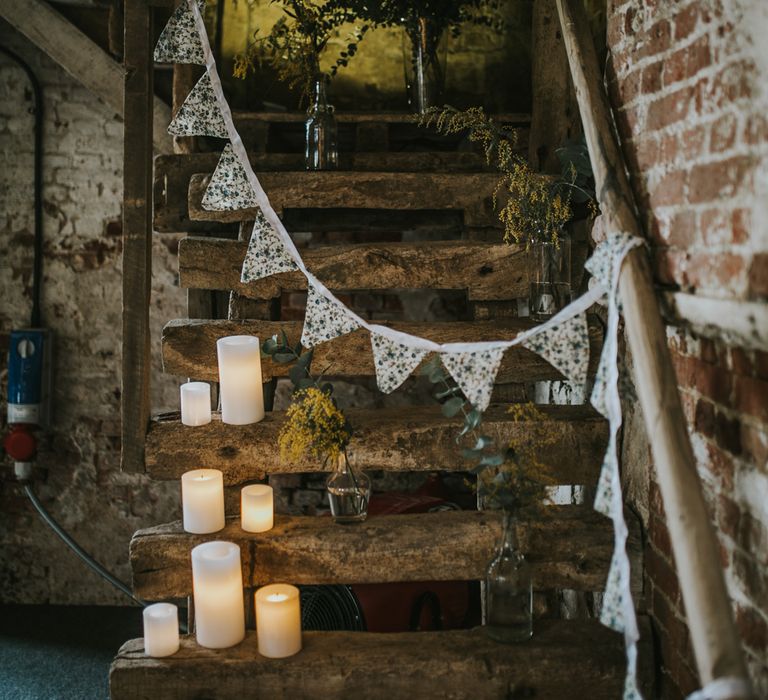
pixel 689 80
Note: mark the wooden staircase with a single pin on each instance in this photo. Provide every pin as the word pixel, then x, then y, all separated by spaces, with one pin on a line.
pixel 569 547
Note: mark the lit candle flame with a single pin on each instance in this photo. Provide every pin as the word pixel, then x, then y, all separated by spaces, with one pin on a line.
pixel 277 597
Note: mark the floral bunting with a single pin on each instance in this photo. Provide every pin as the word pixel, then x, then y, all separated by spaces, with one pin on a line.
pixel 475 372
pixel 565 347
pixel 179 41
pixel 604 493
pixel 229 188
pixel 200 114
pixel 393 362
pixel 266 253
pixel 325 319
pixel 612 610
pixel 602 264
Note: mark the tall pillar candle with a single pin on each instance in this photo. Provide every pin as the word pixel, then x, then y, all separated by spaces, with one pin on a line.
pixel 217 585
pixel 195 403
pixel 161 629
pixel 278 620
pixel 202 501
pixel 257 509
pixel 240 385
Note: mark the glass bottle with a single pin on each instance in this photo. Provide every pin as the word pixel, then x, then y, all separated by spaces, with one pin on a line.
pixel 550 288
pixel 508 590
pixel 322 152
pixel 348 492
pixel 424 52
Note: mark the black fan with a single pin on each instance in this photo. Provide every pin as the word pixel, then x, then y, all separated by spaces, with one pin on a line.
pixel 329 608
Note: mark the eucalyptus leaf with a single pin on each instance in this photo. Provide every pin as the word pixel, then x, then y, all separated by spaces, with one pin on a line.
pixel 453 391
pixel 492 460
pixel 296 374
pixel 483 441
pixel 452 406
pixel 471 454
pixel 306 383
pixel 283 358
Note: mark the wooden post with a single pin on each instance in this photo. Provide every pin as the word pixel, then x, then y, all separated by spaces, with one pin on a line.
pixel 137 233
pixel 716 644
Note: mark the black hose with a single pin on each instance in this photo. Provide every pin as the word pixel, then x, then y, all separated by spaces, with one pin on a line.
pixel 37 110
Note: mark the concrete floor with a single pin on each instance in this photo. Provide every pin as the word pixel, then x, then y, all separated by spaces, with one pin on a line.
pixel 61 652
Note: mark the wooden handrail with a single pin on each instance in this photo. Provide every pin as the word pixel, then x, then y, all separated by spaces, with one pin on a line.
pixel 716 645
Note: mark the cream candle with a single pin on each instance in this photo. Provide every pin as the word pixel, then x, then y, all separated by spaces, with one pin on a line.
pixel 242 393
pixel 161 629
pixel 278 620
pixel 257 508
pixel 217 585
pixel 202 500
pixel 195 403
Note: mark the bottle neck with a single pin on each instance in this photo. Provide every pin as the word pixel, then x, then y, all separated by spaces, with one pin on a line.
pixel 509 533
pixel 320 94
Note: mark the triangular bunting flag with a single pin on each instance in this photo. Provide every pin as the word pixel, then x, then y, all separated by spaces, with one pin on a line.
pixel 200 114
pixel 180 41
pixel 325 319
pixel 603 261
pixel 229 188
pixel 604 494
pixel 600 387
pixel 565 347
pixel 393 361
pixel 266 253
pixel 612 611
pixel 475 373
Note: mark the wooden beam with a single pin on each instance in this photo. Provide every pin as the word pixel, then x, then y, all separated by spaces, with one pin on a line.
pixel 485 270
pixel 740 323
pixel 716 644
pixel 83 59
pixel 189 347
pixel 567 547
pixel 471 192
pixel 565 658
pixel 417 438
pixel 137 234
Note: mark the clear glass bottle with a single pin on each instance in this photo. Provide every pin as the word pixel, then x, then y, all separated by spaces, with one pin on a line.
pixel 550 288
pixel 424 56
pixel 322 152
pixel 348 492
pixel 508 590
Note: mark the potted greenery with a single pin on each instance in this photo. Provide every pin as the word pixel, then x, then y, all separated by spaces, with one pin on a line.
pixel 297 47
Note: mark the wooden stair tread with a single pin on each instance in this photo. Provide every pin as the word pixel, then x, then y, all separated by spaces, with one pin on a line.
pixel 189 347
pixel 471 192
pixel 416 438
pixel 488 271
pixel 564 659
pixel 345 117
pixel 567 547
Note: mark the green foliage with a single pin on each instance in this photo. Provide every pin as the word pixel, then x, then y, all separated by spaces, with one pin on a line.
pixel 296 44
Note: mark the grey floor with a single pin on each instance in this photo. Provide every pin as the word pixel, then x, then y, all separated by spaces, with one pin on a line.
pixel 61 653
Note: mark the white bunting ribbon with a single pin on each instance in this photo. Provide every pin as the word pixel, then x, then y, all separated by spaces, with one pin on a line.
pixel 724 689
pixel 565 347
pixel 393 362
pixel 266 253
pixel 179 41
pixel 325 319
pixel 200 114
pixel 475 373
pixel 229 189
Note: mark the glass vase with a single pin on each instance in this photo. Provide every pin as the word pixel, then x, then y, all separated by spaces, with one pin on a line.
pixel 508 590
pixel 348 492
pixel 550 277
pixel 424 55
pixel 322 152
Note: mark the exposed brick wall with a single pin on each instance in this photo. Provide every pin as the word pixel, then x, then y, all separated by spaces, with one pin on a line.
pixel 80 481
pixel 689 79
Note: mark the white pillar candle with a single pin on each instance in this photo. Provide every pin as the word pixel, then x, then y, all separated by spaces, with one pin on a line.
pixel 195 403
pixel 217 584
pixel 278 620
pixel 242 392
pixel 202 501
pixel 257 511
pixel 161 629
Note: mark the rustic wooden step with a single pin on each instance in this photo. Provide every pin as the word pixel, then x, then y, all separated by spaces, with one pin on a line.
pixel 173 173
pixel 567 547
pixel 242 119
pixel 416 438
pixel 189 347
pixel 487 271
pixel 564 659
pixel 470 192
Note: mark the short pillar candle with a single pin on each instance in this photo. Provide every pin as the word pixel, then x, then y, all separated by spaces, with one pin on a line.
pixel 161 629
pixel 202 501
pixel 195 403
pixel 278 620
pixel 257 510
pixel 217 585
pixel 240 383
